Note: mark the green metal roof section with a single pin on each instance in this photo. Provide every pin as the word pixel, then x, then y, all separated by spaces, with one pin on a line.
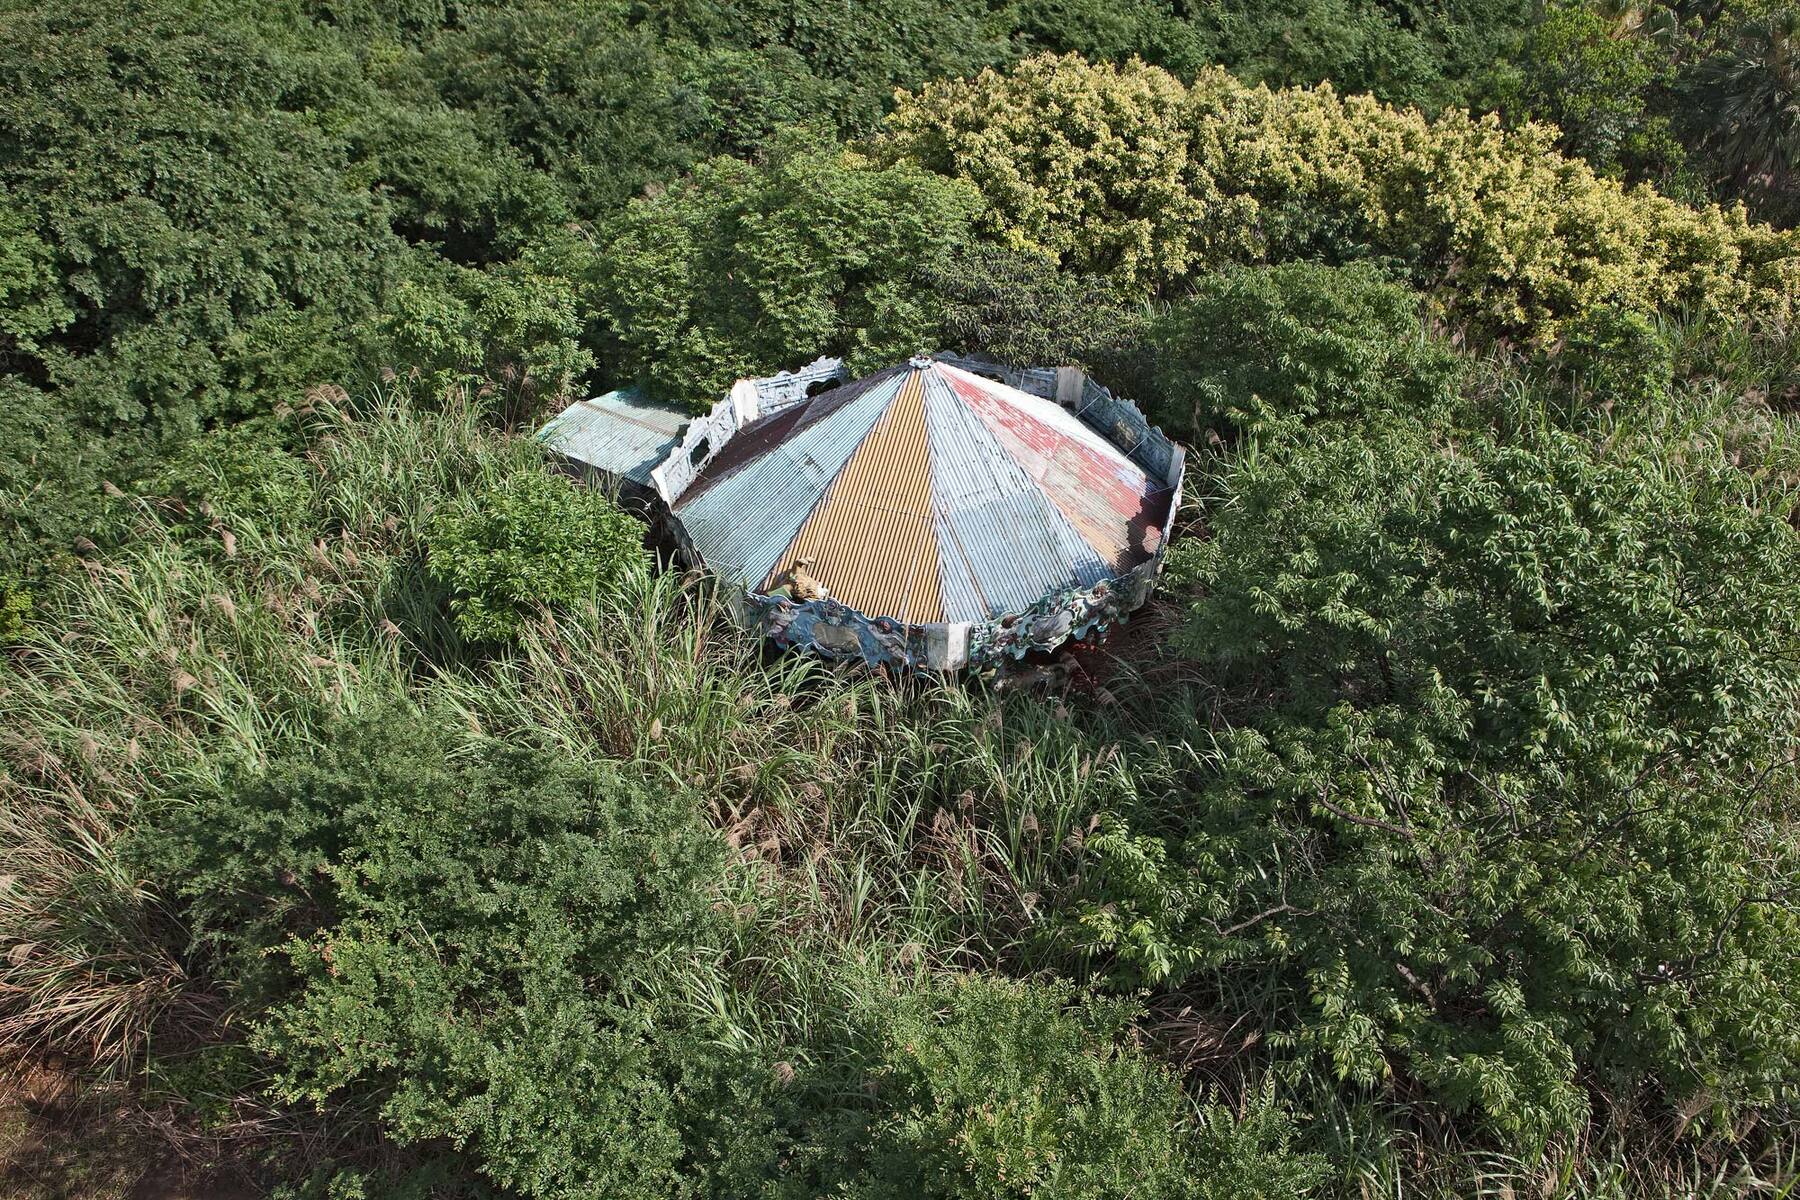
pixel 621 433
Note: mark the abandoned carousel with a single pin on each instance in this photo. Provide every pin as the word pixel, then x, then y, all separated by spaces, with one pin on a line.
pixel 942 513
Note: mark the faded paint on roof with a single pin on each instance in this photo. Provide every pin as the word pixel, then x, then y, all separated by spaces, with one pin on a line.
pixel 621 433
pixel 925 494
pixel 1006 544
pixel 1098 490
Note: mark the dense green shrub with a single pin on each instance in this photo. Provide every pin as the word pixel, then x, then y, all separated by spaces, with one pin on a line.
pixel 1265 348
pixel 486 946
pixel 972 1086
pixel 1100 168
pixel 745 270
pixel 1506 808
pixel 577 90
pixel 510 332
pixel 1747 91
pixel 53 476
pixel 237 476
pixel 1020 308
pixel 447 180
pixel 1696 98
pixel 840 63
pixel 170 161
pixel 1447 55
pixel 15 609
pixel 1612 357
pixel 997 1089
pixel 1584 71
pixel 537 539
pixel 32 305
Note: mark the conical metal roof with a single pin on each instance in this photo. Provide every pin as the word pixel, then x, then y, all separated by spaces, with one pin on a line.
pixel 926 494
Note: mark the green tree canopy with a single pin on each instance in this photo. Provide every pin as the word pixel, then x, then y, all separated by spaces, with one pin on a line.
pixel 1506 803
pixel 744 270
pixel 1124 171
pixel 1262 348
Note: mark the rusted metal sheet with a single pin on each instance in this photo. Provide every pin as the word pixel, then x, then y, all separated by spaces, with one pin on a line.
pixel 1118 421
pixel 1098 489
pixel 872 541
pixel 765 433
pixel 1003 544
pixel 747 445
pixel 620 433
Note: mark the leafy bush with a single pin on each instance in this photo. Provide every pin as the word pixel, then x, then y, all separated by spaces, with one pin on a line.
pixel 1611 356
pixel 15 609
pixel 239 476
pixel 1746 95
pixel 1504 807
pixel 1272 347
pixel 30 304
pixel 1020 308
pixel 169 159
pixel 744 270
pixel 52 484
pixel 509 332
pixel 482 945
pixel 994 1088
pixel 1124 171
pixel 575 90
pixel 1453 54
pixel 1689 97
pixel 1101 168
pixel 971 1086
pixel 536 539
pixel 1584 71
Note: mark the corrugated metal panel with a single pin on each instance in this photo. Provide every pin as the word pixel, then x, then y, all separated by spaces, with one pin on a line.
pixel 743 524
pixel 748 444
pixel 1103 494
pixel 765 433
pixel 871 541
pixel 621 433
pixel 925 494
pixel 1002 544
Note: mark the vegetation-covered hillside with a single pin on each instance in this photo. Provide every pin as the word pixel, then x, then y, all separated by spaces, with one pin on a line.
pixel 376 819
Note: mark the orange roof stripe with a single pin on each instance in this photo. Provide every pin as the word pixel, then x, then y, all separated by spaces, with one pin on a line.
pixel 871 540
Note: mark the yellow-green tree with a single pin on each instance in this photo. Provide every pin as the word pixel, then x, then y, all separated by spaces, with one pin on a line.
pixel 1125 170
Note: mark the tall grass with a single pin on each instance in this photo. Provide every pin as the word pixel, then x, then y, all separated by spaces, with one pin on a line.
pixel 907 817
pixel 911 813
pixel 881 829
pixel 161 667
